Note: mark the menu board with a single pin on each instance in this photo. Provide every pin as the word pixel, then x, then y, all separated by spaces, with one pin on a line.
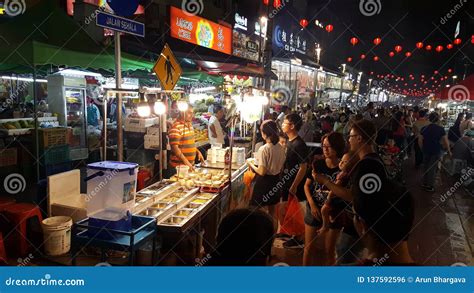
pixel 244 46
pixel 200 31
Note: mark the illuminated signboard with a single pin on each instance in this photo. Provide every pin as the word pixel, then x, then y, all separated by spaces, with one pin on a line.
pixel 288 40
pixel 200 31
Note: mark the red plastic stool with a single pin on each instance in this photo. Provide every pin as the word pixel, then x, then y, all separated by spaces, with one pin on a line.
pixel 5 202
pixel 3 253
pixel 18 214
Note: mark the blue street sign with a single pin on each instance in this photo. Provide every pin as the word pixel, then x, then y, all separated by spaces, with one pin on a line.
pixel 120 24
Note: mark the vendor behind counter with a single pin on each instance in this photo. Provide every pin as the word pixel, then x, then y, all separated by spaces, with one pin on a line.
pixel 182 142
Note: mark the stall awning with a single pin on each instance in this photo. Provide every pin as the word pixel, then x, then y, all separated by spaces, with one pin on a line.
pixel 44 35
pixel 232 68
pixel 462 91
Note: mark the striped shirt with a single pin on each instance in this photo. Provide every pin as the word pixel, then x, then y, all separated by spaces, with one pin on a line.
pixel 182 135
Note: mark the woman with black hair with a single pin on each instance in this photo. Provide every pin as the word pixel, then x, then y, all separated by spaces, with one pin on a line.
pixel 270 160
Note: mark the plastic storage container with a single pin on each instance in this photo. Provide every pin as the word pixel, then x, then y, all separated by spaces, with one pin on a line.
pixel 111 188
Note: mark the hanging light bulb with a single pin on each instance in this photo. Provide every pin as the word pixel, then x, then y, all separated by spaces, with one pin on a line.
pixel 143 109
pixel 159 108
pixel 182 105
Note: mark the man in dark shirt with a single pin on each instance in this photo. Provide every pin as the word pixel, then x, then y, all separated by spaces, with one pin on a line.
pixel 432 139
pixel 296 165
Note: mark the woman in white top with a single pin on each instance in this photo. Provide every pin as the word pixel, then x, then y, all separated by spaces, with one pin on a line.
pixel 216 134
pixel 270 159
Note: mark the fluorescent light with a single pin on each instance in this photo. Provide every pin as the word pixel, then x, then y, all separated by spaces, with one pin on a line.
pixel 205 89
pixel 23 79
pixel 78 73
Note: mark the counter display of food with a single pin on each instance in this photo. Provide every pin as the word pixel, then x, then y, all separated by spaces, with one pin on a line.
pixel 184 209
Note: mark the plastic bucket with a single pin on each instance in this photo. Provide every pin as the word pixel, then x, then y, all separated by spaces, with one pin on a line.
pixel 57 235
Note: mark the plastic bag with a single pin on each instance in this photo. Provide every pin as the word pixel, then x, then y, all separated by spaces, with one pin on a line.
pixel 293 223
pixel 249 175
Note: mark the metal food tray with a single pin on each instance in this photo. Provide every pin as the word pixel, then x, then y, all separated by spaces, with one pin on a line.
pixel 155 188
pixel 195 211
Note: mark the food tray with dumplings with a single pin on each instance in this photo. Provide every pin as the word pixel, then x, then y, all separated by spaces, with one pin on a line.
pixel 208 180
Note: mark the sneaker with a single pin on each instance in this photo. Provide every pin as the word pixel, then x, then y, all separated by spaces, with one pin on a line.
pixel 293 243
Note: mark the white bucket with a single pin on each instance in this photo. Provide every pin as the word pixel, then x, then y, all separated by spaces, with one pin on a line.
pixel 57 235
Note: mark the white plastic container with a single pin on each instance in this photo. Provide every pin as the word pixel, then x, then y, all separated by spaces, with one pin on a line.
pixel 111 188
pixel 57 235
pixel 182 171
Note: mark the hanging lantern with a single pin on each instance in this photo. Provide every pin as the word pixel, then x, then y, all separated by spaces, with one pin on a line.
pixel 349 59
pixel 371 73
pixel 377 41
pixel 304 23
pixel 408 54
pixel 354 41
pixel 428 48
pixel 457 41
pixel 362 56
pixel 436 72
pixel 472 39
pixel 391 54
pixel 398 48
pixel 376 58
pixel 449 46
pixel 329 28
pixel 439 48
pixel 450 70
pixel 419 45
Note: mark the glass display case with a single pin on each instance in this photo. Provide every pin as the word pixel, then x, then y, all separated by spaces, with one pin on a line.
pixel 67 100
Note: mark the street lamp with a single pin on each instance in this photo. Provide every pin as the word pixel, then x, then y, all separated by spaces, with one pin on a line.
pixel 454 78
pixel 318 53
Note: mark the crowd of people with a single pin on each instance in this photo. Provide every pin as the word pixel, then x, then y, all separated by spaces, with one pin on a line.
pixel 352 199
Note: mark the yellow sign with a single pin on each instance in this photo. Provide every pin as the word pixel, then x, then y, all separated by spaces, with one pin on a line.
pixel 167 69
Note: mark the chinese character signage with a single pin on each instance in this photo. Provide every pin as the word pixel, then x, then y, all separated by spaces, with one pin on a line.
pixel 289 40
pixel 200 31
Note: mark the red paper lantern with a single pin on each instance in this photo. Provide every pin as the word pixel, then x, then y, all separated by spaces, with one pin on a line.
pixel 428 48
pixel 457 41
pixel 362 56
pixel 419 45
pixel 354 41
pixel 450 70
pixel 304 23
pixel 439 48
pixel 472 39
pixel 436 72
pixel 329 28
pixel 391 54
pixel 376 58
pixel 449 46
pixel 408 54
pixel 398 48
pixel 371 73
pixel 349 59
pixel 377 41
